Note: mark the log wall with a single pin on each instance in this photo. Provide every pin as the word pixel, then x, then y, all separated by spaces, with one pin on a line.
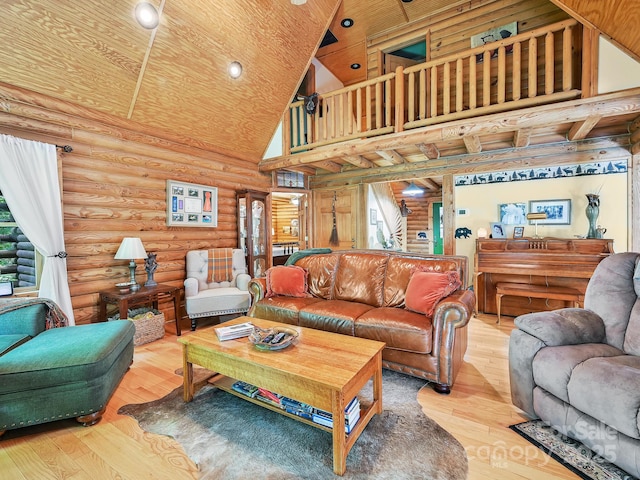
pixel 113 186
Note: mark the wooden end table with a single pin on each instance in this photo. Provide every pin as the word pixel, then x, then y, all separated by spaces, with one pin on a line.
pixel 323 369
pixel 143 296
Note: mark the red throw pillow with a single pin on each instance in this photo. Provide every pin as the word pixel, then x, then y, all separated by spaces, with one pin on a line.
pixel 426 289
pixel 290 281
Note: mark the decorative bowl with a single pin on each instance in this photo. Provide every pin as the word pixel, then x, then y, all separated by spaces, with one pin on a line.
pixel 275 338
pixel 124 287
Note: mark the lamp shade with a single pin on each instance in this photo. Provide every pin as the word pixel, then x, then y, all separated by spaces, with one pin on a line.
pixel 130 248
pixel 412 189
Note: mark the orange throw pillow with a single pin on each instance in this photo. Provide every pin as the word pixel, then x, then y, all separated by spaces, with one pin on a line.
pixel 426 289
pixel 289 281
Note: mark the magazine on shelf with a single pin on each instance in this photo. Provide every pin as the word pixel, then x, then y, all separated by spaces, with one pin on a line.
pixel 234 331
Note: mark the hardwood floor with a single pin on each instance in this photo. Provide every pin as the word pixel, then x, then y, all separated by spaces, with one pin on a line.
pixel 477 412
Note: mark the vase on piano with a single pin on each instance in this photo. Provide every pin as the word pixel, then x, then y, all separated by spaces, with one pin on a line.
pixel 592 211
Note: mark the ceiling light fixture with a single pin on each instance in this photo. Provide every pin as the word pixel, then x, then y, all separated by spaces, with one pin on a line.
pixel 347 22
pixel 412 189
pixel 407 1
pixel 147 15
pixel 235 69
pixel 355 66
pixel 298 2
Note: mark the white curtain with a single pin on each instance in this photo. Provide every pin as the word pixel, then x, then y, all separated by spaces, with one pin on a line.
pixel 30 185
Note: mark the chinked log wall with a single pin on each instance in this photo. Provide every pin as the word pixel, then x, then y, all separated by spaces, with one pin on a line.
pixel 113 186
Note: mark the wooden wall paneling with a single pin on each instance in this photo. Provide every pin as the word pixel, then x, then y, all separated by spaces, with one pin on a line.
pixel 113 185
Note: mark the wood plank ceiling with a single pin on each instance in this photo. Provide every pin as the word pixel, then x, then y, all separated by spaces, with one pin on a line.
pixel 174 79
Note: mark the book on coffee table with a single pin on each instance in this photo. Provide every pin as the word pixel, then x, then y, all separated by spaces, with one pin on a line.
pixel 234 331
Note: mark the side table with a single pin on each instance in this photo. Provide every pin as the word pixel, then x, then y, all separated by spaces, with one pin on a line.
pixel 144 296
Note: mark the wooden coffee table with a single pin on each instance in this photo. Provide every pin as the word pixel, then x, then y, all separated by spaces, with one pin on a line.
pixel 325 370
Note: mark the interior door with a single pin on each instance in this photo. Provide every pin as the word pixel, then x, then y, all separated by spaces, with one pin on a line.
pixel 438 228
pixel 345 203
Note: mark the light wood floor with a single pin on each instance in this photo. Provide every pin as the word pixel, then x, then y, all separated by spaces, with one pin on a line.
pixel 477 413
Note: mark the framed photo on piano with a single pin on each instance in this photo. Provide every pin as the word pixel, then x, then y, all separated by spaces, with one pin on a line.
pixel 518 232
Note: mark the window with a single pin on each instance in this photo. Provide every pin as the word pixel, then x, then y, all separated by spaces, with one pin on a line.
pixel 20 263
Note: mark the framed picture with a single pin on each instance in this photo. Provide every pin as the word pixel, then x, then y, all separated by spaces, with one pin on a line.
pixel 518 232
pixel 558 211
pixel 512 213
pixel 191 205
pixel 497 230
pixel 373 216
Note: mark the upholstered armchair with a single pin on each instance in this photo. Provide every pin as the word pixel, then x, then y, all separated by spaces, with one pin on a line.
pixel 579 369
pixel 216 283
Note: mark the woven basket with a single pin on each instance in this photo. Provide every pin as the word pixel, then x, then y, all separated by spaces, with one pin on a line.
pixel 149 328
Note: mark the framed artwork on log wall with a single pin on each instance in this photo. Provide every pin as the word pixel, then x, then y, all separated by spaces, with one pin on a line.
pixel 191 205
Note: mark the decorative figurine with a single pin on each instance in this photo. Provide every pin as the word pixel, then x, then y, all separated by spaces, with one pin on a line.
pixel 150 266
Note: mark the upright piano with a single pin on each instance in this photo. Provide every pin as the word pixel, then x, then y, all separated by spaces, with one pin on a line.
pixel 545 261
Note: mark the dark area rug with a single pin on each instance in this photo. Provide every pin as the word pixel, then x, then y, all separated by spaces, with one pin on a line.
pixel 571 453
pixel 230 438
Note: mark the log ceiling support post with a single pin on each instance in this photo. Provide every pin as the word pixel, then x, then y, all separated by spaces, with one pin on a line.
pixel 449 214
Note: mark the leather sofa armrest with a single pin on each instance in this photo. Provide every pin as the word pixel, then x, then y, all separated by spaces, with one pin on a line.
pixel 258 289
pixel 567 326
pixel 190 287
pixel 462 300
pixel 242 281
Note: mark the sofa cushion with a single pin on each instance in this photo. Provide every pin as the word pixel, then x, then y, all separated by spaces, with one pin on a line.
pixel 230 299
pixel 282 309
pixel 608 389
pixel 9 342
pixel 65 355
pixel 290 281
pixel 336 316
pixel 29 320
pixel 426 289
pixel 360 278
pixel 320 269
pixel 611 294
pixel 400 269
pixel 398 328
pixel 554 366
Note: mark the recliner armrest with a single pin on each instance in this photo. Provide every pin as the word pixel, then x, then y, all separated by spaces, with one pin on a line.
pixel 190 287
pixel 567 326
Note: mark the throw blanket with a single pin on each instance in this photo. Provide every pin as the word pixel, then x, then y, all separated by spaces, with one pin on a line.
pixel 220 265
pixel 295 256
pixel 55 317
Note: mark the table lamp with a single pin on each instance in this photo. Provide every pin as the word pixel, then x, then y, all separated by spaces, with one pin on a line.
pixel 535 216
pixel 131 249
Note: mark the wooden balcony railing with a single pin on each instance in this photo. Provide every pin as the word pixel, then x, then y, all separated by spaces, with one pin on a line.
pixel 533 68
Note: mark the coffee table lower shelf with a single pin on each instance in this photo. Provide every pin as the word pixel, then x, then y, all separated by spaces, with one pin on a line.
pixel 366 414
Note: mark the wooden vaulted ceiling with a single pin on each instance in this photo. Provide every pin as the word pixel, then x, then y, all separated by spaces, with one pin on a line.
pixel 174 78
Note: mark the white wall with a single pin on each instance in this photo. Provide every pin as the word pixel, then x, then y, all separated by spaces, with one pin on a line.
pixel 617 70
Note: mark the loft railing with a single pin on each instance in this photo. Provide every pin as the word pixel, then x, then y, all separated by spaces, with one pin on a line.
pixel 533 68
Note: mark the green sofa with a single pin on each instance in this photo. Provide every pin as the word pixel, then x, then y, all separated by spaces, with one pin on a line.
pixel 58 373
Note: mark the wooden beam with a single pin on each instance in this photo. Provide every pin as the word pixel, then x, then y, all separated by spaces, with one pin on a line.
pixel 358 161
pixel 473 143
pixel 430 150
pixel 392 156
pixel 328 165
pixel 522 137
pixel 430 184
pixel 582 151
pixel 580 130
pixel 449 214
pixel 613 104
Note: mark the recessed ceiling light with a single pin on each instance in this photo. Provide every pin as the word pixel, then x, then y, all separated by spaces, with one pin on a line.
pixel 355 66
pixel 147 15
pixel 347 22
pixel 235 69
pixel 298 2
pixel 407 1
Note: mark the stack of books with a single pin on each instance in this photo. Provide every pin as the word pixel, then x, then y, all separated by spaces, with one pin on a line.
pixel 234 331
pixel 322 417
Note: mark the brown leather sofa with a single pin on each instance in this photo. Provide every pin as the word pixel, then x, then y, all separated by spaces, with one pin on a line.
pixel 362 293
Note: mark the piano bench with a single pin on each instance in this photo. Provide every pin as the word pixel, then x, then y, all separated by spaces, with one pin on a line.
pixel 537 291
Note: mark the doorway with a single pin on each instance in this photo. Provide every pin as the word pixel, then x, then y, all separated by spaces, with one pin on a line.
pixel 438 228
pixel 289 225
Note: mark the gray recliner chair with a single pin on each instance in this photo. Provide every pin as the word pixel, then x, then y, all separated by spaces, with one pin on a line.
pixel 579 369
